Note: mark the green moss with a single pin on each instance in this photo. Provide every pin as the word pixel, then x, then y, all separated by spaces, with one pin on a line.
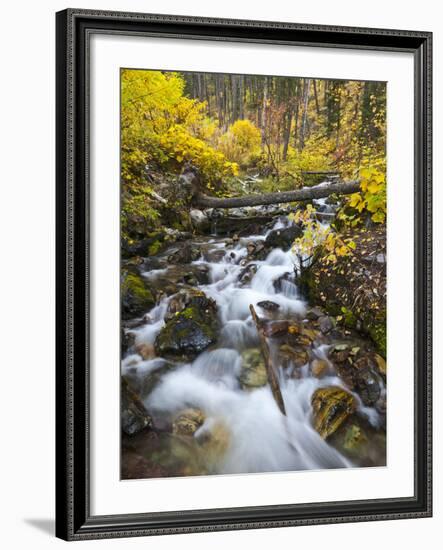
pixel 155 248
pixel 349 317
pixel 136 297
pixel 191 312
pixel 188 333
pixel 135 286
pixel 378 334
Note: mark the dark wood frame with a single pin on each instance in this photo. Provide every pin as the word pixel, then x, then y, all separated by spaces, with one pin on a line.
pixel 74 521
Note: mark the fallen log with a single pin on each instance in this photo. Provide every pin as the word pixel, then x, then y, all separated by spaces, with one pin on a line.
pixel 306 193
pixel 320 172
pixel 271 374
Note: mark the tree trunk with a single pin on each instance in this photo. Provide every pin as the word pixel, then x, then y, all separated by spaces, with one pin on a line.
pixel 317 107
pixel 301 141
pixel 309 193
pixel 287 133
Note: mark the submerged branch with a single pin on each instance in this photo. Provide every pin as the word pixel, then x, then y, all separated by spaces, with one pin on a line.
pixel 272 375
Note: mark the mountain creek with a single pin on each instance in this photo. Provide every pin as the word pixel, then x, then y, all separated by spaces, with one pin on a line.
pixel 196 397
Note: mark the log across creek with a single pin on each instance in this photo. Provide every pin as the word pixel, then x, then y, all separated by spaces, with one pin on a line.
pixel 307 193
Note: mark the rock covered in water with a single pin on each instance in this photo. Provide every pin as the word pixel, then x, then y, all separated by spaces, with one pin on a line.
pixel 267 305
pixel 134 416
pixel 191 327
pixel 331 406
pixel 319 368
pixel 136 297
pixel 253 370
pixel 187 422
pixel 146 351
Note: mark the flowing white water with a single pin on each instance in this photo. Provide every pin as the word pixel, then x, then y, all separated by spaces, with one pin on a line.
pixel 261 439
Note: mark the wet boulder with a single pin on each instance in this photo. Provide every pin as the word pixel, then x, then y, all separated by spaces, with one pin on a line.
pixel 190 328
pixel 253 370
pixel 331 406
pixel 200 220
pixel 134 417
pixel 283 238
pixel 188 297
pixel 136 297
pixel 185 254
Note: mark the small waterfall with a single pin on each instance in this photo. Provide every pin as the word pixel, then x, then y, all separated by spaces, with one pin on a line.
pixel 260 439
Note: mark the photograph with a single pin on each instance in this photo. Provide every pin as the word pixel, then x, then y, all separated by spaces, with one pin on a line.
pixel 252 273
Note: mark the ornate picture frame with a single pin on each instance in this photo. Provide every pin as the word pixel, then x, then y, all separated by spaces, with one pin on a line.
pixel 74 520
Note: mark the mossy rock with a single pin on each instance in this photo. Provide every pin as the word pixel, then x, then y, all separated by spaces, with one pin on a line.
pixel 253 370
pixel 136 298
pixel 331 407
pixel 190 329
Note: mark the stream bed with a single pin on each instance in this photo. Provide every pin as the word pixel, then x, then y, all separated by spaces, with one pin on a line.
pixel 195 365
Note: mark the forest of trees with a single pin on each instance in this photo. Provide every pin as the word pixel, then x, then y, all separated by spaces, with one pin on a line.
pixel 289 111
pixel 232 126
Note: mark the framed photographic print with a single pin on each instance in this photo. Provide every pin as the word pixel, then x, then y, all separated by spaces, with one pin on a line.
pixel 243 274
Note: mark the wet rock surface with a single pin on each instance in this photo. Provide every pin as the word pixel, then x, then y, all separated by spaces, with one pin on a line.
pixel 283 238
pixel 331 407
pixel 136 297
pixel 191 327
pixel 134 416
pixel 187 422
pixel 253 370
